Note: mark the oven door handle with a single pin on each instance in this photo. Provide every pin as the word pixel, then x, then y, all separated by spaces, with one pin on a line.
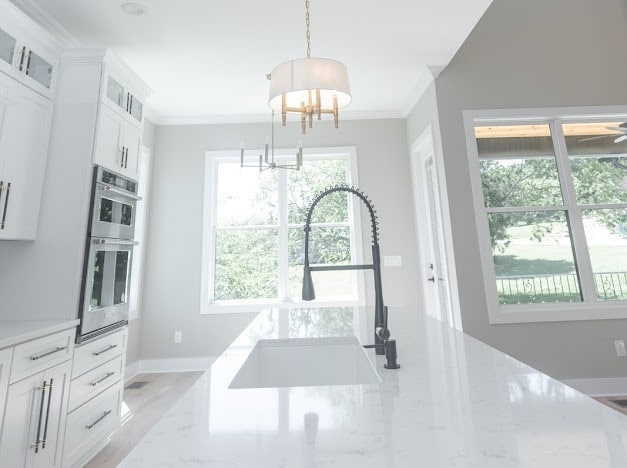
pixel 103 241
pixel 117 191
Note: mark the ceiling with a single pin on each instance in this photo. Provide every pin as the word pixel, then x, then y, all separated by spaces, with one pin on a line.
pixel 206 59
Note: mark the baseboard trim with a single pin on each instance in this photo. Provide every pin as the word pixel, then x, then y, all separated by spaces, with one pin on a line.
pixel 131 370
pixel 168 365
pixel 603 387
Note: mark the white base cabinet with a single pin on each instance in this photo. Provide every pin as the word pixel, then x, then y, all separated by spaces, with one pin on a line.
pixel 36 399
pixel 35 418
pixel 96 391
pixel 5 368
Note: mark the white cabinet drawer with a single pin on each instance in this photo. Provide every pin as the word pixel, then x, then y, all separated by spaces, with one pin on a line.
pixel 97 352
pixel 40 354
pixel 93 382
pixel 89 424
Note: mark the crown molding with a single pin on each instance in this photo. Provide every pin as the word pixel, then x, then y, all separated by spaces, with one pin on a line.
pixel 98 55
pixel 255 118
pixel 425 79
pixel 46 22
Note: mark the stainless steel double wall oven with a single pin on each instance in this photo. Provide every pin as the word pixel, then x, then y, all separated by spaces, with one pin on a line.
pixel 108 254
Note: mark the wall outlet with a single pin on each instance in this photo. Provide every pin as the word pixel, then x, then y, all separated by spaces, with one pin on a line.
pixel 620 348
pixel 392 261
pixel 178 337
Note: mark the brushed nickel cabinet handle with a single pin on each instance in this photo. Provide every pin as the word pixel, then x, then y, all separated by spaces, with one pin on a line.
pixel 37 444
pixel 96 382
pixel 104 415
pixel 30 54
pixel 43 440
pixel 3 223
pixel 21 65
pixel 98 353
pixel 59 348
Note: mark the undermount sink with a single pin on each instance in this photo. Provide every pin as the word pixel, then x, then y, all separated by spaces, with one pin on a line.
pixel 302 362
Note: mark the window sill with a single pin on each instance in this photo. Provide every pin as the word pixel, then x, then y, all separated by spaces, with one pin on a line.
pixel 567 312
pixel 213 308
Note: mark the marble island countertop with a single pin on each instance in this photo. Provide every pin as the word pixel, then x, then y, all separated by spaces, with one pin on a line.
pixel 455 402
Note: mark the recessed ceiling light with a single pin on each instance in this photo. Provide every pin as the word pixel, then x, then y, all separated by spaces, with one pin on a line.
pixel 133 8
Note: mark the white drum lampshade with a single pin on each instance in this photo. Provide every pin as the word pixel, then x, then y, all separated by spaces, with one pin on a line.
pixel 296 78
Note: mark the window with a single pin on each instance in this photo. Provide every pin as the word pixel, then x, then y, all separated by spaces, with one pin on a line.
pixel 551 198
pixel 254 239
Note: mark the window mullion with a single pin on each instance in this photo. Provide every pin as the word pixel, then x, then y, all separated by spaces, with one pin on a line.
pixel 575 220
pixel 283 235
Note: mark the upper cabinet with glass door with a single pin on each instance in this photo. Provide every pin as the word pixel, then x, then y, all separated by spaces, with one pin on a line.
pixel 27 54
pixel 7 47
pixel 122 97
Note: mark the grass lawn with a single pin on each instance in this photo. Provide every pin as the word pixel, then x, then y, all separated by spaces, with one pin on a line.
pixel 556 260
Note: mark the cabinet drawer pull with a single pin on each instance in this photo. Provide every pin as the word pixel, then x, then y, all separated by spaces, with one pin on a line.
pixel 59 348
pixel 98 353
pixel 96 382
pixel 104 415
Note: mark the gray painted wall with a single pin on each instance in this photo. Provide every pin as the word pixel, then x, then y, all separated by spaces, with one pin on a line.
pixel 531 54
pixel 134 326
pixel 173 263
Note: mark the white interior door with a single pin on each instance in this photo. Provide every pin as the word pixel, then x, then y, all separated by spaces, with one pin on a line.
pixel 430 230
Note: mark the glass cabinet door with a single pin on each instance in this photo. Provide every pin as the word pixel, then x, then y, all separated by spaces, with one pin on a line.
pixel 137 108
pixel 38 69
pixel 115 92
pixel 7 47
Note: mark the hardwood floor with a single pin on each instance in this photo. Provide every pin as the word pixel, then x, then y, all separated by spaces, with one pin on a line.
pixel 610 401
pixel 144 407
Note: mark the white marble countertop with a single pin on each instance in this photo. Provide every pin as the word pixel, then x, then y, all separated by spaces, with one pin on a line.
pixel 15 332
pixel 455 402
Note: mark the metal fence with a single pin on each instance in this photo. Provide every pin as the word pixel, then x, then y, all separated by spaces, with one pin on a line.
pixel 533 289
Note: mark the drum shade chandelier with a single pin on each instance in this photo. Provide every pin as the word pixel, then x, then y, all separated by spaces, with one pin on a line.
pixel 309 86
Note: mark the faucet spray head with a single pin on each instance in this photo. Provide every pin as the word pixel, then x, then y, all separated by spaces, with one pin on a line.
pixel 309 294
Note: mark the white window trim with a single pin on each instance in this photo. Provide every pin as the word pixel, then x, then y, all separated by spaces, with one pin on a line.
pixel 212 159
pixel 139 252
pixel 528 313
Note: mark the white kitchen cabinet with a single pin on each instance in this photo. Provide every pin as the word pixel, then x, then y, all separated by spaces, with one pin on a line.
pixel 119 95
pixel 118 143
pixel 34 420
pixel 96 394
pixel 24 133
pixel 5 369
pixel 28 54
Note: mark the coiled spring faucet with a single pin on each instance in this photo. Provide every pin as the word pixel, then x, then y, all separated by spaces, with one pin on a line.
pixel 382 342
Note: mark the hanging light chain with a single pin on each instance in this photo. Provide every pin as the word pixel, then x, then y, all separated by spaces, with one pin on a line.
pixel 308 33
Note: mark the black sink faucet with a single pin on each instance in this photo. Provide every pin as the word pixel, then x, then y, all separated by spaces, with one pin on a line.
pixel 381 331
